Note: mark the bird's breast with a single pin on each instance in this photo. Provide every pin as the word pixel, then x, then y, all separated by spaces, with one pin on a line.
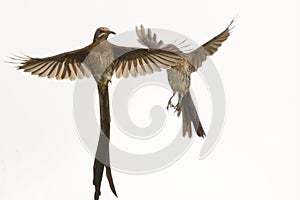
pixel 178 80
pixel 99 59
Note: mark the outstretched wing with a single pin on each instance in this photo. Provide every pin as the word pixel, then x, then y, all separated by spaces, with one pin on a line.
pixel 62 66
pixel 198 56
pixel 149 39
pixel 135 61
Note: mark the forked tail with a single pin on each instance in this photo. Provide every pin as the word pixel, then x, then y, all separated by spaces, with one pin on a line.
pixel 102 154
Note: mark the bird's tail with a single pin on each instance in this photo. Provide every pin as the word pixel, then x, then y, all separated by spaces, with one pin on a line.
pixel 189 116
pixel 102 154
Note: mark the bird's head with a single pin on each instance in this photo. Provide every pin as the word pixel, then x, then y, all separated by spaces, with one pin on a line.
pixel 102 34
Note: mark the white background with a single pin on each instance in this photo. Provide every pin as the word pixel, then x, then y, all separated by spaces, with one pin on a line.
pixel 41 156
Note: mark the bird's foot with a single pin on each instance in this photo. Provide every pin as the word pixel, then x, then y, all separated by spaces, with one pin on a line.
pixel 170 102
pixel 170 105
pixel 178 108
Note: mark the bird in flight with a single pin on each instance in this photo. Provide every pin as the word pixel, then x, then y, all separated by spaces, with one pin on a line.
pixel 101 60
pixel 179 77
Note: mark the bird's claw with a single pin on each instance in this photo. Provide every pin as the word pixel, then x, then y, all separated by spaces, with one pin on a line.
pixel 170 105
pixel 177 109
pixel 170 102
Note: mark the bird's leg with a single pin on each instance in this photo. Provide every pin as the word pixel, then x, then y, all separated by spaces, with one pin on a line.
pixel 179 105
pixel 170 102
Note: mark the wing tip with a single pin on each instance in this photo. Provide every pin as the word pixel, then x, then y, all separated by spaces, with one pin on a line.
pixel 232 24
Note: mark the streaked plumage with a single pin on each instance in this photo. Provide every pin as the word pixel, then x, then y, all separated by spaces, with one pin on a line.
pixel 179 76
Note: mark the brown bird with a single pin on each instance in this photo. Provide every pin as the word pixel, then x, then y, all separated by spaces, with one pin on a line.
pixel 101 59
pixel 180 77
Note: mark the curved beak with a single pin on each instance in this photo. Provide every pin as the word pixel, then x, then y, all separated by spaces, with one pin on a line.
pixel 111 32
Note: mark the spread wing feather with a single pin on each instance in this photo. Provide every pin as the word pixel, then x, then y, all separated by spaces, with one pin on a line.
pixel 136 61
pixel 68 65
pixel 196 57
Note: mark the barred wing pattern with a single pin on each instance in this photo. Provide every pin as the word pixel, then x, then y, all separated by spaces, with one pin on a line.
pixel 67 65
pixel 146 38
pixel 198 56
pixel 128 61
pixel 142 61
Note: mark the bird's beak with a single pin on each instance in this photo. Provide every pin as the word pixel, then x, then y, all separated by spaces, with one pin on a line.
pixel 111 32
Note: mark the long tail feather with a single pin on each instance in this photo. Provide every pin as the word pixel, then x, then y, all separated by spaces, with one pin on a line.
pixel 103 144
pixel 190 115
pixel 184 122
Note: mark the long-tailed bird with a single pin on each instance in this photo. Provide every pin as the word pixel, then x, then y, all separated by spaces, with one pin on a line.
pixel 180 77
pixel 101 59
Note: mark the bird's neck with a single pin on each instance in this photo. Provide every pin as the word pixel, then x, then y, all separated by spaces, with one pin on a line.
pixel 100 39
